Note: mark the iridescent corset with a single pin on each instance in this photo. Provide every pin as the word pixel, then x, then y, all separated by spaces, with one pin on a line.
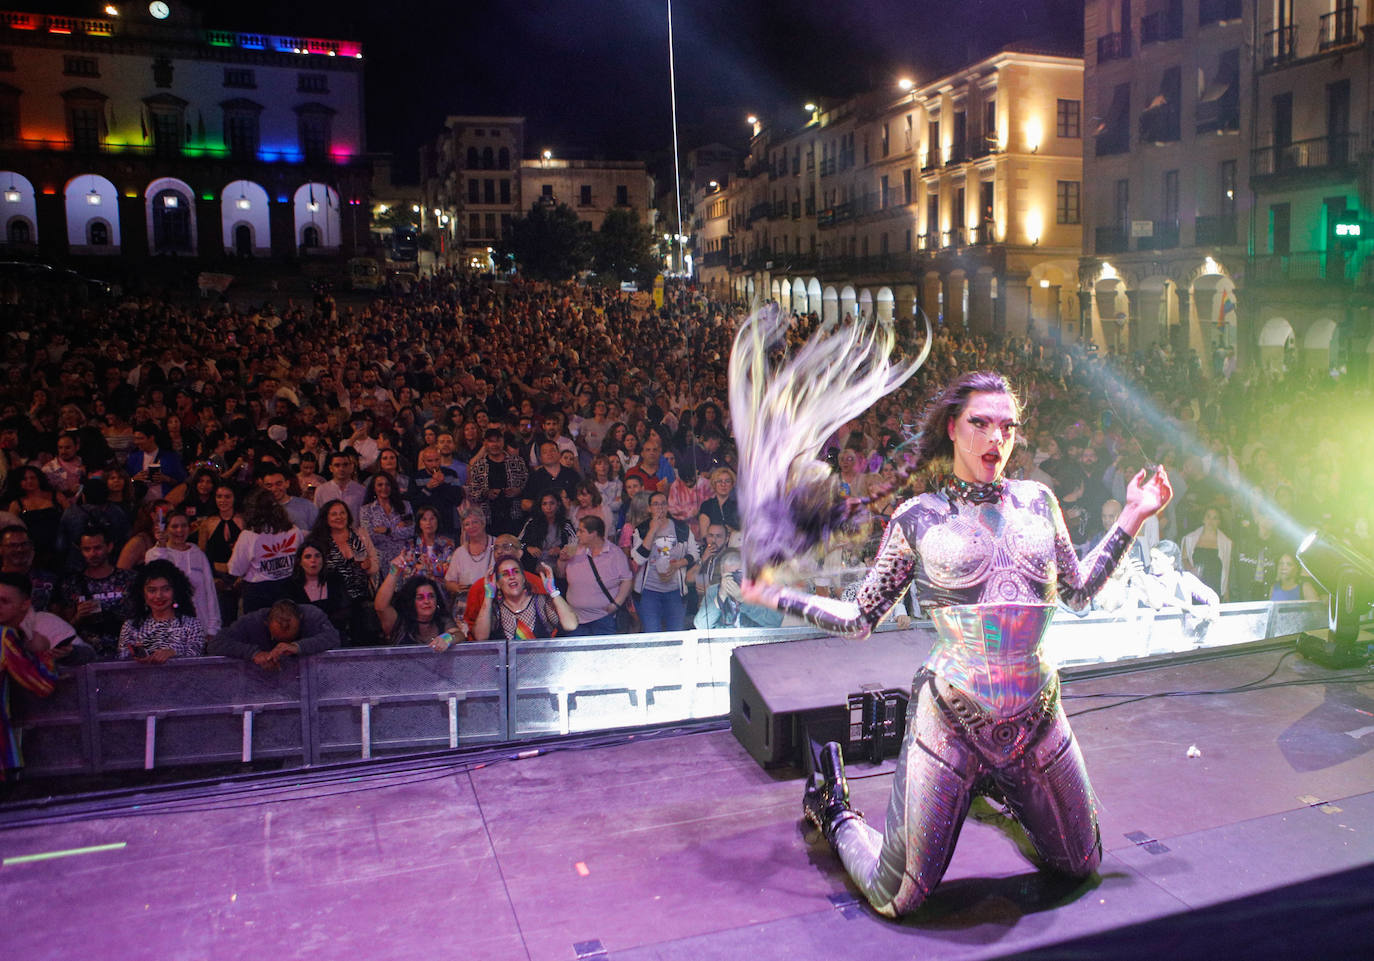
pixel 992 652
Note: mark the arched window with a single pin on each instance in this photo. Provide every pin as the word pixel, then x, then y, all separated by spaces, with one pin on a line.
pixel 472 158
pixel 20 233
pixel 503 158
pixel 98 233
pixel 488 158
pixel 310 237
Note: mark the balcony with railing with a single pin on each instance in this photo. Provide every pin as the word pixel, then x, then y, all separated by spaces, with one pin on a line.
pixel 1302 157
pixel 1114 46
pixel 932 160
pixel 827 166
pixel 985 233
pixel 1218 11
pixel 1163 236
pixel 1301 267
pixel 715 258
pixel 954 237
pixel 1339 28
pixel 759 212
pixel 1111 240
pixel 1215 231
pixel 1280 45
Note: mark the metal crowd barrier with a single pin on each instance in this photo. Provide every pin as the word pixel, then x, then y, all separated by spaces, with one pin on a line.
pixel 375 702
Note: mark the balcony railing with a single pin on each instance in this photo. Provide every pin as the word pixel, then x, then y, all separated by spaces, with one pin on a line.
pixel 1164 236
pixel 1319 153
pixel 1218 11
pixel 985 233
pixel 954 237
pixel 827 166
pixel 1161 26
pixel 760 211
pixel 1215 231
pixel 715 258
pixel 1340 28
pixel 1114 46
pixel 1280 46
pixel 1302 267
pixel 1111 240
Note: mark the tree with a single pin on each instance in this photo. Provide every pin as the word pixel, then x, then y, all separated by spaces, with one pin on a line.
pixel 549 243
pixel 625 249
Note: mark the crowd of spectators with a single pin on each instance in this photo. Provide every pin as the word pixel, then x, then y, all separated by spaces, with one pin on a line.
pixel 260 483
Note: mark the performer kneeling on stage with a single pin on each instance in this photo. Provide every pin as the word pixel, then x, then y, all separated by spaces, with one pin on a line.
pixel 989 557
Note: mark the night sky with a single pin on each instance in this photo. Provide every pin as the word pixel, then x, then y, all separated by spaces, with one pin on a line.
pixel 592 75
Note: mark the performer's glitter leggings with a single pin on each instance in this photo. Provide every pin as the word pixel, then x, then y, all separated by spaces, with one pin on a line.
pixel 953 748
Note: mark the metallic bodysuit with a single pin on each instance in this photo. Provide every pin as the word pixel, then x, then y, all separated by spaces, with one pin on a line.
pixel 985 709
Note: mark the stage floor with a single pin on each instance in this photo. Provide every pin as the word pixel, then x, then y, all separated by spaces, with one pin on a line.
pixel 683 848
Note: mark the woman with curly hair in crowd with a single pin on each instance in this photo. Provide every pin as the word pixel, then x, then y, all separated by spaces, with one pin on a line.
pixel 164 624
pixel 417 613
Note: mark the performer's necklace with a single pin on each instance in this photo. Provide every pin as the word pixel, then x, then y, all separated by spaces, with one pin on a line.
pixel 969 492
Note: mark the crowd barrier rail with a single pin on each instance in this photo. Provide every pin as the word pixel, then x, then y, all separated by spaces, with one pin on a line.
pixel 364 703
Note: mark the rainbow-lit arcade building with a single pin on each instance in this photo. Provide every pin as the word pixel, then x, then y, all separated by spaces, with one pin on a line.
pixel 141 133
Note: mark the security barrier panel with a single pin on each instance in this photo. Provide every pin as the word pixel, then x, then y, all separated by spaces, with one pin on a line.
pixel 372 702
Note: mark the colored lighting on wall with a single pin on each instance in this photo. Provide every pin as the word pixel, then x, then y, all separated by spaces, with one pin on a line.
pixel 207 196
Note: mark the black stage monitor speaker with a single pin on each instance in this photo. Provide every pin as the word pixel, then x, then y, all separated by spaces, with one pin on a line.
pixel 781 694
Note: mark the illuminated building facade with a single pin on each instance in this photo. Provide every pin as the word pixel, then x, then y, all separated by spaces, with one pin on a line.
pixel 1226 161
pixel 961 196
pixel 476 178
pixel 1167 167
pixel 142 133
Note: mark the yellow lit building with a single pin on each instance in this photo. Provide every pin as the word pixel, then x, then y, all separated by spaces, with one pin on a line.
pixel 961 196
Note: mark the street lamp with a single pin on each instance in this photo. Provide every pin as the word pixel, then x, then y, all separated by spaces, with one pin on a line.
pixel 905 83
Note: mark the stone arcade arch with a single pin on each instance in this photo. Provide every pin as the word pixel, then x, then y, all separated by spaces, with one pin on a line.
pixel 92 204
pixel 18 210
pixel 1113 313
pixel 830 306
pixel 849 302
pixel 244 206
pixel 885 305
pixel 317 225
pixel 1275 338
pixel 865 303
pixel 169 206
pixel 1318 343
pixel 799 301
pixel 813 296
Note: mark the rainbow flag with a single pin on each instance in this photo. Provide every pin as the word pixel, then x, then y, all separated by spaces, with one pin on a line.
pixel 522 632
pixel 1226 310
